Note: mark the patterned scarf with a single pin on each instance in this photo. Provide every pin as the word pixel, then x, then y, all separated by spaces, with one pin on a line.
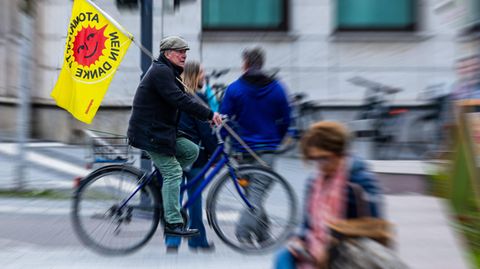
pixel 326 204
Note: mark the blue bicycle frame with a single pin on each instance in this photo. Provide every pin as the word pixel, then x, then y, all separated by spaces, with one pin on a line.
pixel 225 160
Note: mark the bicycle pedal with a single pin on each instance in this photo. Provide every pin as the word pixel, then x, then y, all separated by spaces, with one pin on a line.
pixel 245 241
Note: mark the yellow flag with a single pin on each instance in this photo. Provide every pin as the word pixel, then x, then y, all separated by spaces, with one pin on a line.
pixel 94 48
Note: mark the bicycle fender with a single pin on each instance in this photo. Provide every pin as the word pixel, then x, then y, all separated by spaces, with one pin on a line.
pixel 112 167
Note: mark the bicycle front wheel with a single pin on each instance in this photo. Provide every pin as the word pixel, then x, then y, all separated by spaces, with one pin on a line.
pixel 102 223
pixel 252 230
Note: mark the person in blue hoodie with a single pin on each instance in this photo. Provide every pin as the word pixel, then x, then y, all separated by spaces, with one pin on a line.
pixel 259 107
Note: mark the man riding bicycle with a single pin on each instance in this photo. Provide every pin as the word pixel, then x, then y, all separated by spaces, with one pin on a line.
pixel 154 121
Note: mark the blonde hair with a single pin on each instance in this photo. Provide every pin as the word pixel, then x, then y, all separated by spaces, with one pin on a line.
pixel 325 135
pixel 190 75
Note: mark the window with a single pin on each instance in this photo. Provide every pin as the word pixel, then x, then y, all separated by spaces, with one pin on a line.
pixel 376 15
pixel 244 15
pixel 476 15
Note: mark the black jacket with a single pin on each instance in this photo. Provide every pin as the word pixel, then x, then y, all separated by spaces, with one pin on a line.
pixel 200 133
pixel 155 111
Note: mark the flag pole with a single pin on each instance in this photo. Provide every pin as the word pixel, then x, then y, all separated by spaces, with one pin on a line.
pixel 143 49
pixel 125 32
pixel 112 20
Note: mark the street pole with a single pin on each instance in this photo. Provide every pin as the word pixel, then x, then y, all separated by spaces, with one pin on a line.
pixel 146 33
pixel 23 108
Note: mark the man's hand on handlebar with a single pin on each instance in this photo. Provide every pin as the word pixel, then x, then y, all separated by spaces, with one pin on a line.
pixel 217 119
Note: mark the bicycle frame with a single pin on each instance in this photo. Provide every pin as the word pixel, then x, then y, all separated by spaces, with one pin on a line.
pixel 225 160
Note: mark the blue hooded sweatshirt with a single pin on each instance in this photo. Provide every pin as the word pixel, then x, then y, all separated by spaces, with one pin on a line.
pixel 259 106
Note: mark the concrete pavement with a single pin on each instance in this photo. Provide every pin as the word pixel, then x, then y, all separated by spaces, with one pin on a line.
pixel 425 238
pixel 45 240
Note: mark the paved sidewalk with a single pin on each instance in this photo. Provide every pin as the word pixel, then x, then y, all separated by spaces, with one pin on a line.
pixel 403 167
pixel 425 237
pixel 424 234
pixel 424 240
pixel 55 247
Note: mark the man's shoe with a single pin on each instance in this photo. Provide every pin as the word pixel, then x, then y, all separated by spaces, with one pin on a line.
pixel 180 230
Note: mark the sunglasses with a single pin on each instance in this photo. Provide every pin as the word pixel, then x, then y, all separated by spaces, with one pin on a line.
pixel 320 159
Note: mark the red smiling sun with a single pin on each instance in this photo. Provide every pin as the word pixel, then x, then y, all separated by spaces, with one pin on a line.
pixel 88 45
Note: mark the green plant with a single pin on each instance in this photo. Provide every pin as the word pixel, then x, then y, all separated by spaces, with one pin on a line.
pixel 440 184
pixel 46 194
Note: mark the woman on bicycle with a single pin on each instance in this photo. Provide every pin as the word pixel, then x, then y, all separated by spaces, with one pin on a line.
pixel 200 133
pixel 328 197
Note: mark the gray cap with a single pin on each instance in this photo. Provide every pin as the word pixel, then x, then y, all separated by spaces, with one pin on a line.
pixel 173 43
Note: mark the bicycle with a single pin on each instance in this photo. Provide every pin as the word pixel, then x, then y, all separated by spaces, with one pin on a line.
pixel 378 119
pixel 426 133
pixel 304 113
pixel 215 92
pixel 125 204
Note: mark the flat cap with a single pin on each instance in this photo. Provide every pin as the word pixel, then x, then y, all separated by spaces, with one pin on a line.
pixel 173 43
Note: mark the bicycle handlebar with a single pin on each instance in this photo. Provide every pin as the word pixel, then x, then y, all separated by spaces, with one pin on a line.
pixel 374 86
pixel 219 73
pixel 218 129
pixel 238 138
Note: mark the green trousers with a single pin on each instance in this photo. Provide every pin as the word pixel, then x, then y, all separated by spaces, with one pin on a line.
pixel 171 167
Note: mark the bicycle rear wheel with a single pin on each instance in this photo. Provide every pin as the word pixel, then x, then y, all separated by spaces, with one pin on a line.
pixel 423 137
pixel 97 218
pixel 257 230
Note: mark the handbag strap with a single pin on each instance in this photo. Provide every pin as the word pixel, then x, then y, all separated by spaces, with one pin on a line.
pixel 362 206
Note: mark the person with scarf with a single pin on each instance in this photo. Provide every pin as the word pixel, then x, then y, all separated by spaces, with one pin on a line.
pixel 328 198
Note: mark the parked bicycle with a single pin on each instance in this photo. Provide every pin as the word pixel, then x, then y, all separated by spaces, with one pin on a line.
pixel 303 114
pixel 427 133
pixel 378 120
pixel 117 208
pixel 215 92
pixel 385 124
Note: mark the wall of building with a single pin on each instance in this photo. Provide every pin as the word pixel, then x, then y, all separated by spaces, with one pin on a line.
pixel 314 60
pixel 311 58
pixel 10 55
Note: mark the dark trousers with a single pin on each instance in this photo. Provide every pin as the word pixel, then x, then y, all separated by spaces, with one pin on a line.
pixel 195 214
pixel 255 223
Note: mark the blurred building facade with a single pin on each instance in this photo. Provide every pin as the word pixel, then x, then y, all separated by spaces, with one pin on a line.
pixel 316 44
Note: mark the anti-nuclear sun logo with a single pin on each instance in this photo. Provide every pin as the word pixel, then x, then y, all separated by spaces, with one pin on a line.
pixel 88 45
pixel 93 48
